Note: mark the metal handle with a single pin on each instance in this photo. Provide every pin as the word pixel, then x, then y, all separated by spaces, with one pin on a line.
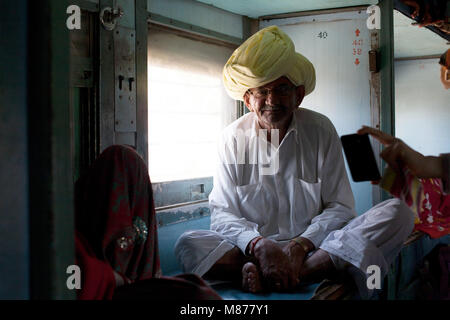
pixel 109 16
pixel 120 81
pixel 130 82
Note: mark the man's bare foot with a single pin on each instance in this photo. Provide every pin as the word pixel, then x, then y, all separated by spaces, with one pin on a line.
pixel 251 278
pixel 318 267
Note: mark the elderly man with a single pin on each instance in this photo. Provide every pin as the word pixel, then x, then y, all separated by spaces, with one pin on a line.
pixel 275 228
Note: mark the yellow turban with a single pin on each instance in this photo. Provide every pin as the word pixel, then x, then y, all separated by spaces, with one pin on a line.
pixel 264 57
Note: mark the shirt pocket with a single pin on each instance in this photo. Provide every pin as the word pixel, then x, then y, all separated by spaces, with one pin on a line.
pixel 307 200
pixel 253 202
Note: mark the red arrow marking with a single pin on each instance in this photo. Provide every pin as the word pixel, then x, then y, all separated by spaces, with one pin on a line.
pixel 357 32
pixel 357 61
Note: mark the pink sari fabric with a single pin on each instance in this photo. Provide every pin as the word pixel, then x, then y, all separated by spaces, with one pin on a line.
pixel 425 197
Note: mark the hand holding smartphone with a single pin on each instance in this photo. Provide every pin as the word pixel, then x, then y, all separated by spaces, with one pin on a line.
pixel 360 157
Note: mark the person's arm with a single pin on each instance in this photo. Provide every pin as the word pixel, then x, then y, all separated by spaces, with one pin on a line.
pixel 336 193
pixel 446 172
pixel 398 154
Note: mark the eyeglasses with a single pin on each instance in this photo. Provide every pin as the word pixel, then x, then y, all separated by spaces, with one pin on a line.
pixel 281 91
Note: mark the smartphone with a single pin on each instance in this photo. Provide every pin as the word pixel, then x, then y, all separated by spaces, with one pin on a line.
pixel 360 158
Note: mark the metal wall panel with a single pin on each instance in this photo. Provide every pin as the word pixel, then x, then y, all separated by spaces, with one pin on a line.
pixel 122 96
pixel 106 81
pixel 199 14
pixel 387 87
pixel 124 79
pixel 182 191
pixel 422 111
pixel 141 79
pixel 128 138
pixel 128 19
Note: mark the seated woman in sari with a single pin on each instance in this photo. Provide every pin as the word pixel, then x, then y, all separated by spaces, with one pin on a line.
pixel 116 234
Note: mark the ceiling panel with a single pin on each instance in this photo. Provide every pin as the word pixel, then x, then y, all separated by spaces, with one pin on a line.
pixel 258 8
pixel 409 41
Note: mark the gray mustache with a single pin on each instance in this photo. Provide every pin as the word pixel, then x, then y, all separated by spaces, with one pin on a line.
pixel 267 107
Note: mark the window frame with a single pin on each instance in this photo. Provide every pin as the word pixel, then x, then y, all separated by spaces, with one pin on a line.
pixel 168 195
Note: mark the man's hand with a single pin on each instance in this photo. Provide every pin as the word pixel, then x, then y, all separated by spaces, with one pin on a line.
pixel 275 265
pixel 296 255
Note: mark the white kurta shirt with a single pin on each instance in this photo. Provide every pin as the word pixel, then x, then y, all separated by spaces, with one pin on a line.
pixel 309 195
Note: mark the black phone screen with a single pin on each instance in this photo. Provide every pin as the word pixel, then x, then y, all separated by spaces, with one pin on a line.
pixel 360 158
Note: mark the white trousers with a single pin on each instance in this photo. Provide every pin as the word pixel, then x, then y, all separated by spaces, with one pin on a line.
pixel 372 239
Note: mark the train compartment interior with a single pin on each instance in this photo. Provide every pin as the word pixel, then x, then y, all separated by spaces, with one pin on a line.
pixel 81 75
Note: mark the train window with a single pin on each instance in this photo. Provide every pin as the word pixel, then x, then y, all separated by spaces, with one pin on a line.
pixel 187 107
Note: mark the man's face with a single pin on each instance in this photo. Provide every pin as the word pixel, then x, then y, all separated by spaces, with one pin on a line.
pixel 275 102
